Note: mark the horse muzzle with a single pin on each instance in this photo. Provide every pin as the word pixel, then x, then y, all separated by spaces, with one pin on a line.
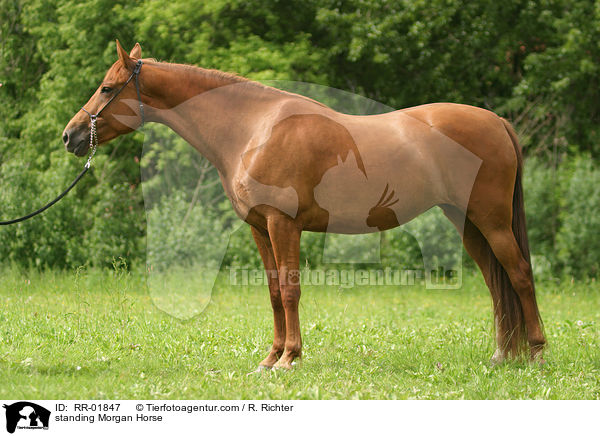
pixel 76 141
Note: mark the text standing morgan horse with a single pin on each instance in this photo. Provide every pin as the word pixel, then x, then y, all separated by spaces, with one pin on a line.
pixel 273 149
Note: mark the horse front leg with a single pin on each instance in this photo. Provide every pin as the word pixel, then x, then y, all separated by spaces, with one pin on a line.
pixel 266 253
pixel 285 240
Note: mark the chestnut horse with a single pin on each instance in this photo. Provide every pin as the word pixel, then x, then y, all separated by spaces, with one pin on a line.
pixel 289 164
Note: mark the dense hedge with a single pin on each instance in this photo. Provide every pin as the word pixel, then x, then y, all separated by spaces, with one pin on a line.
pixel 535 62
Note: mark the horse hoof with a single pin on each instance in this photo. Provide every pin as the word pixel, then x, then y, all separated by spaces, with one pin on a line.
pixel 285 365
pixel 260 369
pixel 282 366
pixel 539 360
pixel 497 358
pixel 537 356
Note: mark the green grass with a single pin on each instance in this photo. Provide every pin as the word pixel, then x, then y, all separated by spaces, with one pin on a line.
pixel 98 335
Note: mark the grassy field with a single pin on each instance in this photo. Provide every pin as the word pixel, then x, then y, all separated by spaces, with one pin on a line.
pixel 97 334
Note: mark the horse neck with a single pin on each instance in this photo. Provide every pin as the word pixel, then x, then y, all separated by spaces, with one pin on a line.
pixel 216 113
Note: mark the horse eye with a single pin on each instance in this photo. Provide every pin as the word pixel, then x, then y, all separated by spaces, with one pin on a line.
pixel 105 90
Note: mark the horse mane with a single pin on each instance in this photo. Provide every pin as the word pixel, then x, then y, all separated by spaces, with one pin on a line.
pixel 219 76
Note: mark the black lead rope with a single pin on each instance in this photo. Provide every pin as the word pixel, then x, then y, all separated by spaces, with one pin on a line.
pixel 40 210
pixel 93 145
pixel 88 164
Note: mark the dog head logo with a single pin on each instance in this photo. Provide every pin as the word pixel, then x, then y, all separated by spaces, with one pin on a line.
pixel 26 415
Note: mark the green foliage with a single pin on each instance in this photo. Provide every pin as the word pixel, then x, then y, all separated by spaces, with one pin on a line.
pixel 563 77
pixel 578 240
pixel 183 234
pixel 534 61
pixel 562 227
pixel 431 235
pixel 101 219
pixel 543 188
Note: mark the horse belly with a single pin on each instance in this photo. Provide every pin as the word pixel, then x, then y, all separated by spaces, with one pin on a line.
pixel 355 203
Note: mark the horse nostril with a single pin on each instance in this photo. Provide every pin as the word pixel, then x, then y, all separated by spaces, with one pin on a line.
pixel 66 138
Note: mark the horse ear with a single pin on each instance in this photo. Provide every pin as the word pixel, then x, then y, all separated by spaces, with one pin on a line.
pixel 124 57
pixel 136 51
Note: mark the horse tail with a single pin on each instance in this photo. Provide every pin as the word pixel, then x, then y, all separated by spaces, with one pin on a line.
pixel 510 321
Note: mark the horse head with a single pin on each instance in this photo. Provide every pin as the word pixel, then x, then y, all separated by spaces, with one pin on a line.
pixel 110 99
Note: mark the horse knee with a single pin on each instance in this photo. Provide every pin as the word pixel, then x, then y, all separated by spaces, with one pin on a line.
pixel 275 293
pixel 290 296
pixel 290 288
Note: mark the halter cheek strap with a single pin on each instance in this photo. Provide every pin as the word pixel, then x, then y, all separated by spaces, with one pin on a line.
pixel 135 74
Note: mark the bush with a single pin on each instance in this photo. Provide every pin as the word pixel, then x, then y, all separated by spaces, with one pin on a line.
pixel 182 234
pixel 578 240
pixel 543 187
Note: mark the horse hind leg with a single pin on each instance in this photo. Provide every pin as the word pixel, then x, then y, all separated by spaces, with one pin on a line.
pixel 508 276
pixel 478 248
pixel 508 254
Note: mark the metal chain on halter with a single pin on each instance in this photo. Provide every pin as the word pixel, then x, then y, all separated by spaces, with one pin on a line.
pixel 93 140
